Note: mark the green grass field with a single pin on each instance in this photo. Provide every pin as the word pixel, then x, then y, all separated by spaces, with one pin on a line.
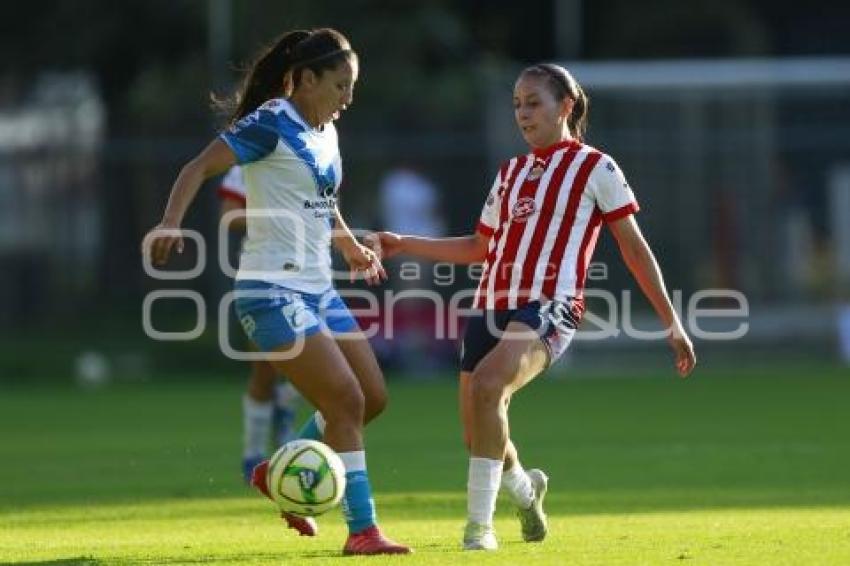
pixel 747 467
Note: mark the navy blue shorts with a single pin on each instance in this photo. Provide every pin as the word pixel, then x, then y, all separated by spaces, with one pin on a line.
pixel 274 316
pixel 555 322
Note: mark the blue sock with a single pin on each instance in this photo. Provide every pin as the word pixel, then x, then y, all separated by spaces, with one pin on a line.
pixel 314 428
pixel 358 507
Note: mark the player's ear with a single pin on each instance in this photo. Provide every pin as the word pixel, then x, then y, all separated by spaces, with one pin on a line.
pixel 309 78
pixel 567 107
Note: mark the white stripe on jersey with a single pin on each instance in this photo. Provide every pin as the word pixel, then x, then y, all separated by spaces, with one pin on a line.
pixel 512 195
pixel 558 218
pixel 567 274
pixel 530 227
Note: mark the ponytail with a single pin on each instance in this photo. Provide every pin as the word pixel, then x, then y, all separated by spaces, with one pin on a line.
pixel 577 121
pixel 276 70
pixel 266 77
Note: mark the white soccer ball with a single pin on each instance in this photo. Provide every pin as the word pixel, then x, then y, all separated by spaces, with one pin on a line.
pixel 306 478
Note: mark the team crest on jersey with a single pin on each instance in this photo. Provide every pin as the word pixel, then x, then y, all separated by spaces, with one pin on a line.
pixel 523 208
pixel 328 190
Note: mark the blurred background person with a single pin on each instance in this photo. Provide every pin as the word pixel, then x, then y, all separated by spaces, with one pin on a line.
pixel 411 203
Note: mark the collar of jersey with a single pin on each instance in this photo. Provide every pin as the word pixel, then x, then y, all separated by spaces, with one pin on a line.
pixel 546 152
pixel 292 112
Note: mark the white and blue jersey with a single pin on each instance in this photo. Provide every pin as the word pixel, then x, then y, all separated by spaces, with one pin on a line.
pixel 292 173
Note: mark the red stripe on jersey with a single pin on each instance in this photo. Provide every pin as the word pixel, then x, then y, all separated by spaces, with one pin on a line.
pixel 588 243
pixel 484 229
pixel 505 189
pixel 536 245
pixel 507 261
pixel 228 193
pixel 551 282
pixel 621 212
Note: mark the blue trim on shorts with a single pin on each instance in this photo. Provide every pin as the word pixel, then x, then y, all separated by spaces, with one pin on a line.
pixel 274 316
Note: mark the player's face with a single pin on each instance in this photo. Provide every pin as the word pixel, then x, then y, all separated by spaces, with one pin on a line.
pixel 540 117
pixel 333 92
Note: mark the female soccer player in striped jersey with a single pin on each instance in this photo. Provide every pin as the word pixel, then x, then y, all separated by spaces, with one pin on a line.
pixel 535 236
pixel 282 133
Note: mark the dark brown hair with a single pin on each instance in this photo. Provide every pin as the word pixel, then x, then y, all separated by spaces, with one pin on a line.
pixel 562 85
pixel 276 70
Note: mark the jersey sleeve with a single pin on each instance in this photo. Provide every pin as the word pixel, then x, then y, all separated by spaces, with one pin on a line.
pixel 489 219
pixel 253 137
pixel 614 196
pixel 233 185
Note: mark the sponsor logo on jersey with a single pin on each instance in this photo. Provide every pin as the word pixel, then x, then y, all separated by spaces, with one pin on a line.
pixel 535 173
pixel 323 204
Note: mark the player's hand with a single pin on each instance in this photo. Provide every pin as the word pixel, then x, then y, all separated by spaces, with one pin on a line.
pixel 683 350
pixel 361 258
pixel 385 244
pixel 160 241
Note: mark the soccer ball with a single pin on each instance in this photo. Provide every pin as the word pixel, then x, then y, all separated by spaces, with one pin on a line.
pixel 305 478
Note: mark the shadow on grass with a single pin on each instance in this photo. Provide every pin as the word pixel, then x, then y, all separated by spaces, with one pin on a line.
pixel 77 561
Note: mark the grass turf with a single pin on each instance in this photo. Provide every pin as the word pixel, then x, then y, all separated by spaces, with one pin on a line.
pixel 746 467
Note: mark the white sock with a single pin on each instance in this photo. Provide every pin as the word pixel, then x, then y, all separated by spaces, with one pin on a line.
pixel 286 396
pixel 518 485
pixel 256 426
pixel 483 488
pixel 353 461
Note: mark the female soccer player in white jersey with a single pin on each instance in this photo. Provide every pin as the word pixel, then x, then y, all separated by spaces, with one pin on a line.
pixel 269 404
pixel 282 134
pixel 535 236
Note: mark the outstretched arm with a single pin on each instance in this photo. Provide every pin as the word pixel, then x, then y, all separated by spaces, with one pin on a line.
pixel 357 256
pixel 463 249
pixel 216 158
pixel 641 262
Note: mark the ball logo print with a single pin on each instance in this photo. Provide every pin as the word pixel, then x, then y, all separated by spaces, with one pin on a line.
pixel 309 478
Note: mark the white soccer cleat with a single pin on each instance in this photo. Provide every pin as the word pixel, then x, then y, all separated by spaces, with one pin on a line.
pixel 479 537
pixel 533 520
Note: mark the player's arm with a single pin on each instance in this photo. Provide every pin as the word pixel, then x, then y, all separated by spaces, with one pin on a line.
pixel 462 249
pixel 216 158
pixel 641 262
pixel 357 256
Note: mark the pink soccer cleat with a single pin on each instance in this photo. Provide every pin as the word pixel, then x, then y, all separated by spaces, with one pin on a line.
pixel 371 541
pixel 305 526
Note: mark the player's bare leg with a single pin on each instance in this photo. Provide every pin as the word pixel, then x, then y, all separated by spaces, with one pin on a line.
pixel 485 396
pixel 322 374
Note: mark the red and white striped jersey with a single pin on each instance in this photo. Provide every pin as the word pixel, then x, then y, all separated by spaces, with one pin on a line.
pixel 543 216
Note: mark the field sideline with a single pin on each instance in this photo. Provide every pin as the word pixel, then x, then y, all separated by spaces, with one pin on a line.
pixel 747 467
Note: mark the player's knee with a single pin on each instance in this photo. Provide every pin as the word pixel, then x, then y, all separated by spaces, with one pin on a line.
pixel 347 405
pixel 376 402
pixel 487 389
